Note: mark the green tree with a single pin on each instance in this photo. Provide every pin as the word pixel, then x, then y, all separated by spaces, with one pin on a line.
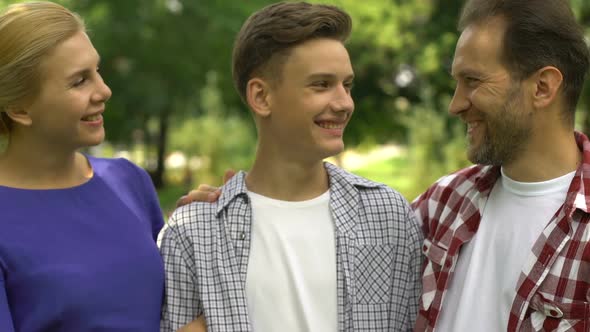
pixel 155 57
pixel 220 140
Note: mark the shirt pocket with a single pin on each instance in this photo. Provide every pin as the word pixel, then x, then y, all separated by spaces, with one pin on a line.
pixel 547 315
pixel 373 317
pixel 436 258
pixel 435 254
pixel 373 272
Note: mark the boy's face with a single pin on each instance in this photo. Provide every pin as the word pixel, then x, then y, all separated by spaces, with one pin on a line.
pixel 311 104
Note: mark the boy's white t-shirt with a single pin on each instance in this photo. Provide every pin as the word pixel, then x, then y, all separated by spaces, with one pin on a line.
pixel 483 287
pixel 291 278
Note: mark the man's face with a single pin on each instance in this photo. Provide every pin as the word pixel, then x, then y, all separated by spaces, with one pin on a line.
pixel 311 104
pixel 487 98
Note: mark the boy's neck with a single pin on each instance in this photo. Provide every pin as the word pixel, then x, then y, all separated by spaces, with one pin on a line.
pixel 287 180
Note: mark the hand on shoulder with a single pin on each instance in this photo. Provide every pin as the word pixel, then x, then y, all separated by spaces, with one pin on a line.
pixel 205 192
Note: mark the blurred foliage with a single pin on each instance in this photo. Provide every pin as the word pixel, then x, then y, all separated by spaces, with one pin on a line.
pixel 168 64
pixel 222 140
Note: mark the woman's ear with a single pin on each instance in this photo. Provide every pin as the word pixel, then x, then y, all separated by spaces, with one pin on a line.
pixel 18 114
pixel 258 97
pixel 548 81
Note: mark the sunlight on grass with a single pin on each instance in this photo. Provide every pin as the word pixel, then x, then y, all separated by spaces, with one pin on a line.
pixel 392 172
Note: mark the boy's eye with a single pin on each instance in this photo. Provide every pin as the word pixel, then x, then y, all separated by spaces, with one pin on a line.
pixel 79 81
pixel 321 84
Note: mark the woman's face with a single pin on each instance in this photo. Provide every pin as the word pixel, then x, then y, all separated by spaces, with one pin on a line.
pixel 68 110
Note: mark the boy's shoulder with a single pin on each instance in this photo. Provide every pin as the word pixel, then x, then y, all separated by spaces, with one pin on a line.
pixel 204 216
pixel 340 178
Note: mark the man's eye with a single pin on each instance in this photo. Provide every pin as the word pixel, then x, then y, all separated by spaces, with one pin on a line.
pixel 349 85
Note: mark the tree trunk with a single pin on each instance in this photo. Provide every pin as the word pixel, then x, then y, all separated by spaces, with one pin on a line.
pixel 162 139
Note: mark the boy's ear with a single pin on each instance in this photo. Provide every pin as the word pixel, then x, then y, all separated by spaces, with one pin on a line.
pixel 19 114
pixel 548 81
pixel 258 96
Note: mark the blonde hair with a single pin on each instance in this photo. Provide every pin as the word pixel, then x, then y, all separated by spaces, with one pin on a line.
pixel 29 31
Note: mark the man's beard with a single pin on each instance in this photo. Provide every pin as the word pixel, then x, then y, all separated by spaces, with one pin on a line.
pixel 506 133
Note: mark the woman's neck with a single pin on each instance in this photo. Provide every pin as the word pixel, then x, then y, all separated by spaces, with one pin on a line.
pixel 30 167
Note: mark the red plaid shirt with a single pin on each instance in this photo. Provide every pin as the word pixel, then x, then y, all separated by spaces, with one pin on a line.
pixel 553 290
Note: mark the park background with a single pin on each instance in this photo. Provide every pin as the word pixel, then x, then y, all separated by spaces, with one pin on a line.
pixel 174 110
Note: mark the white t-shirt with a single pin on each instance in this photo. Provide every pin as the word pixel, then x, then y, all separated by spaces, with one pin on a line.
pixel 291 279
pixel 482 290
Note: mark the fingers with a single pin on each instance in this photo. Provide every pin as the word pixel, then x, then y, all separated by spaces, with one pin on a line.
pixel 228 175
pixel 204 189
pixel 197 325
pixel 203 193
pixel 184 200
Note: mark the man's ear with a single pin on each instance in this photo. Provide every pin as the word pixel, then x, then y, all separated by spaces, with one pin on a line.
pixel 18 114
pixel 548 82
pixel 258 97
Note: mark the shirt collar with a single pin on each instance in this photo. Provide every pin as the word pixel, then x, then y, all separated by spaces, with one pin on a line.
pixel 485 181
pixel 341 183
pixel 578 196
pixel 234 188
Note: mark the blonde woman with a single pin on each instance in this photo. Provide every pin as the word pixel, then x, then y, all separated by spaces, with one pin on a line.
pixel 77 236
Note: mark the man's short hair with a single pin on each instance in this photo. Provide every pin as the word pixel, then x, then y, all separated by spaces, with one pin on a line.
pixel 538 33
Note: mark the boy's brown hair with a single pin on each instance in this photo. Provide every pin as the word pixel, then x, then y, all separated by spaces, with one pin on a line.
pixel 266 38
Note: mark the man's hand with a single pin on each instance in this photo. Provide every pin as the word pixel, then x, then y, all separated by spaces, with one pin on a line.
pixel 197 325
pixel 205 192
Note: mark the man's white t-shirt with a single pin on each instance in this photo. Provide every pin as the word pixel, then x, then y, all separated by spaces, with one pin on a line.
pixel 483 287
pixel 291 278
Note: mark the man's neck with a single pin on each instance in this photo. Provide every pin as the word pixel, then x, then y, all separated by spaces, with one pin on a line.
pixel 547 156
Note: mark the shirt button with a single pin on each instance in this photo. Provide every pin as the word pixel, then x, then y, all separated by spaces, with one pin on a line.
pixel 424 248
pixel 448 263
pixel 554 312
pixel 242 236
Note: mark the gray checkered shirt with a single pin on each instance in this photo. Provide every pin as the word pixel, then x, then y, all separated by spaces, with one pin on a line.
pixel 205 248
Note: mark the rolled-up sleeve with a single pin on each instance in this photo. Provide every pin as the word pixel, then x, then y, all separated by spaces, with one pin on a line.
pixel 182 303
pixel 415 263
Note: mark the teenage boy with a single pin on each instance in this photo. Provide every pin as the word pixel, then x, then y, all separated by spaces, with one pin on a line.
pixel 295 244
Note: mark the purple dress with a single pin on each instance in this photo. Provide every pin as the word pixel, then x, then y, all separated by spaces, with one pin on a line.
pixel 83 258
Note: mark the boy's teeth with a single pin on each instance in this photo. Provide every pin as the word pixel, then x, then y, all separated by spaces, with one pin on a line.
pixel 330 125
